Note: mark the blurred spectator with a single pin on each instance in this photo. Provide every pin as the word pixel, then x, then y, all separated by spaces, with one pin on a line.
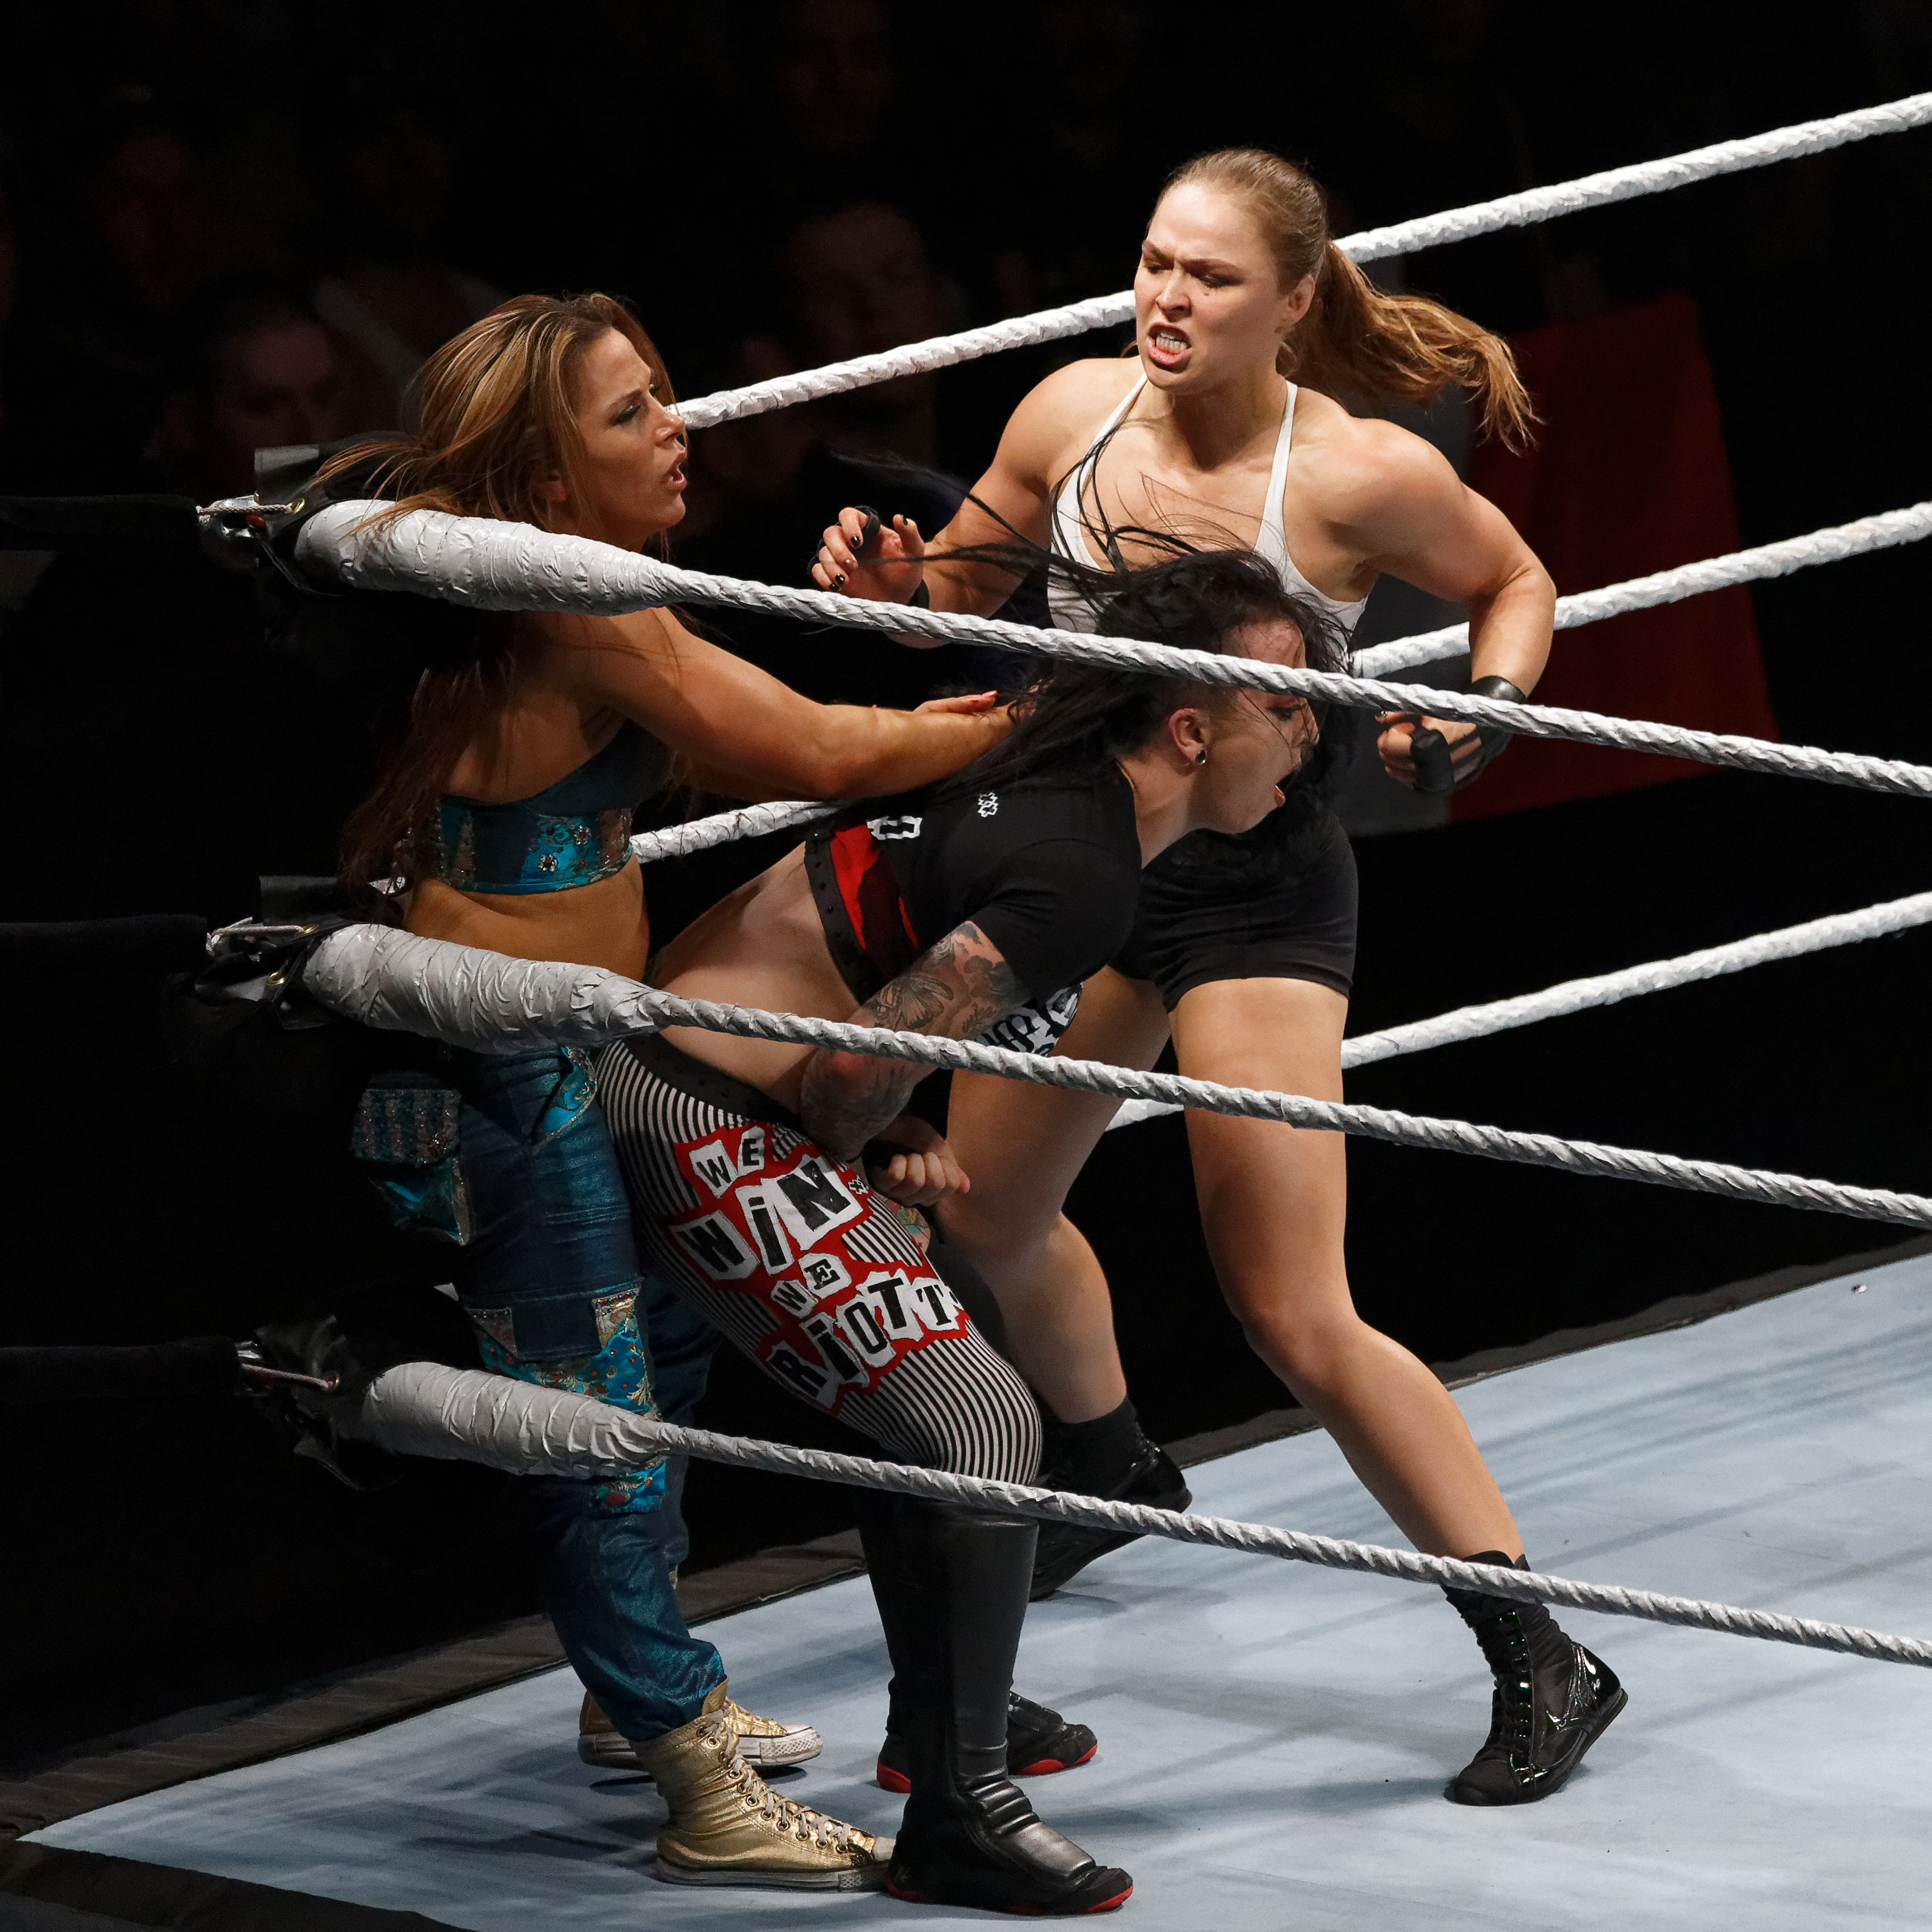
pixel 851 281
pixel 857 281
pixel 1079 152
pixel 391 294
pixel 1440 124
pixel 141 666
pixel 249 367
pixel 623 188
pixel 114 246
pixel 830 83
pixel 255 369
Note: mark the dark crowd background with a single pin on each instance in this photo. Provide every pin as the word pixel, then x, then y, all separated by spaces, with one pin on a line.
pixel 229 223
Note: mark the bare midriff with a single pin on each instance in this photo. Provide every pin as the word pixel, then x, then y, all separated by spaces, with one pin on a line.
pixel 605 924
pixel 764 946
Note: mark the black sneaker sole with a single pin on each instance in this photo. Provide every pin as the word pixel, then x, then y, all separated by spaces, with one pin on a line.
pixel 1040 1762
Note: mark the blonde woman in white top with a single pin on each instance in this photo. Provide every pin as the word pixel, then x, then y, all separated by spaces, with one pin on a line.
pixel 1224 431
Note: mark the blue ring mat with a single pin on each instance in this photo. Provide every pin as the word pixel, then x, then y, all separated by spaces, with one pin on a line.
pixel 1275 1738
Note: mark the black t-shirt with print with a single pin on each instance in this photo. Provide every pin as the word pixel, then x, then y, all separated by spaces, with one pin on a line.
pixel 1050 873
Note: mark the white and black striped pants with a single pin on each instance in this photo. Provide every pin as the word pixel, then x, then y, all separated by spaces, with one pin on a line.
pixel 790 1254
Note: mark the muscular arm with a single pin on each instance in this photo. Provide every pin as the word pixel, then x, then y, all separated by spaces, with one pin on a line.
pixel 1404 510
pixel 955 989
pixel 1397 504
pixel 1039 443
pixel 752 736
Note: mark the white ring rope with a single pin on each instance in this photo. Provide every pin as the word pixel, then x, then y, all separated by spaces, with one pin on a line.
pixel 423 1408
pixel 1607 989
pixel 1882 532
pixel 493 565
pixel 748 821
pixel 486 1001
pixel 1668 586
pixel 1371 244
pixel 1461 1023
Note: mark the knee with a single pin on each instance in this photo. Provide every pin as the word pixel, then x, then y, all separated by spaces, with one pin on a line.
pixel 1308 1351
pixel 989 1427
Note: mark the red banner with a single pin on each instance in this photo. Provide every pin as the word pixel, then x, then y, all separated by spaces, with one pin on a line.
pixel 1628 475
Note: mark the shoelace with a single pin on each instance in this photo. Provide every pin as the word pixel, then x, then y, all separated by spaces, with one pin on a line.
pixel 783 1814
pixel 1512 1708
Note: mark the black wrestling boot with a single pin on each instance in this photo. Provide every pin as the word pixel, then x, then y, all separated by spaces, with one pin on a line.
pixel 951 1585
pixel 1111 1458
pixel 1552 1700
pixel 1039 1742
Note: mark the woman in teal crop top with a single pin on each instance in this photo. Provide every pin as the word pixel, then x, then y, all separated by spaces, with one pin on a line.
pixel 504 813
pixel 498 810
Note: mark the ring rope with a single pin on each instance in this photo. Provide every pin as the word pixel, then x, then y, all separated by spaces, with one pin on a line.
pixel 1460 1023
pixel 1687 580
pixel 1668 586
pixel 1370 245
pixel 401 982
pixel 490 564
pixel 747 821
pixel 1607 989
pixel 422 1408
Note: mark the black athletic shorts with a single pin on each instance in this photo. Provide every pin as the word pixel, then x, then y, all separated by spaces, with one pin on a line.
pixel 1256 908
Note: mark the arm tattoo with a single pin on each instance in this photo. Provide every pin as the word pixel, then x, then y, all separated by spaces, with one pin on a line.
pixel 956 988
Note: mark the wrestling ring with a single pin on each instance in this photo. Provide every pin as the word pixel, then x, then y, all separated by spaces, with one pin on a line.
pixel 1257 1768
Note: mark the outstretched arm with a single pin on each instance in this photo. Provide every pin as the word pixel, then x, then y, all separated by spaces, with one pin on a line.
pixel 752 736
pixel 954 989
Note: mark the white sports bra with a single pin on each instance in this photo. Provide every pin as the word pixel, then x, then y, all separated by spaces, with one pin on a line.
pixel 1071 611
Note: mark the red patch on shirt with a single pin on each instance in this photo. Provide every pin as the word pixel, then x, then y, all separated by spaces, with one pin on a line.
pixel 872 902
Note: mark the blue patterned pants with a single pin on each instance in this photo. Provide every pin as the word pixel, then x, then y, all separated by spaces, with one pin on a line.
pixel 551 1279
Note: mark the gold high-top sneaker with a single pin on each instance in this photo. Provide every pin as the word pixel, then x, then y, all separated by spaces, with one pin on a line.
pixel 728 1827
pixel 763 1742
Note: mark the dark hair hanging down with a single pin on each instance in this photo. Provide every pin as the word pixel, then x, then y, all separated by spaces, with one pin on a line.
pixel 1072 721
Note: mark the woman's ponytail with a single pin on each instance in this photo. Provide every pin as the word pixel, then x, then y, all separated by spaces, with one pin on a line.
pixel 1354 338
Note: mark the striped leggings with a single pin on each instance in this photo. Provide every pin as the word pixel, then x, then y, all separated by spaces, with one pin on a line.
pixel 789 1254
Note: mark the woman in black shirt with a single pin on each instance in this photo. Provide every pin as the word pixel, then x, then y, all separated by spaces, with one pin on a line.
pixel 973 909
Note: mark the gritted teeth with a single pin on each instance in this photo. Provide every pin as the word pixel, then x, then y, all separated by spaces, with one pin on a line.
pixel 1170 339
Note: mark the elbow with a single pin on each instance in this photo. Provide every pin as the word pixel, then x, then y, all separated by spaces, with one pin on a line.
pixel 1533 583
pixel 831 1103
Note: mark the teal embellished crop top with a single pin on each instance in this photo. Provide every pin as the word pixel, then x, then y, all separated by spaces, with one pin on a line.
pixel 572 833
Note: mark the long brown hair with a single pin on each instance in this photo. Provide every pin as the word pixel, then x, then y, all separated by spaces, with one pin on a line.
pixel 1354 337
pixel 497 420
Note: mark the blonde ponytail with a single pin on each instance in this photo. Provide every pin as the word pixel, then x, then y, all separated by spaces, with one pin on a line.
pixel 1353 338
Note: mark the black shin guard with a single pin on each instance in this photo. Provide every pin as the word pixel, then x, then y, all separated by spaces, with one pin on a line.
pixel 1553 1698
pixel 952 1589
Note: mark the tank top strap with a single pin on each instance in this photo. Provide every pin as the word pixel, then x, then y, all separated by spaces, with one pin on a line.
pixel 1272 542
pixel 1066 504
